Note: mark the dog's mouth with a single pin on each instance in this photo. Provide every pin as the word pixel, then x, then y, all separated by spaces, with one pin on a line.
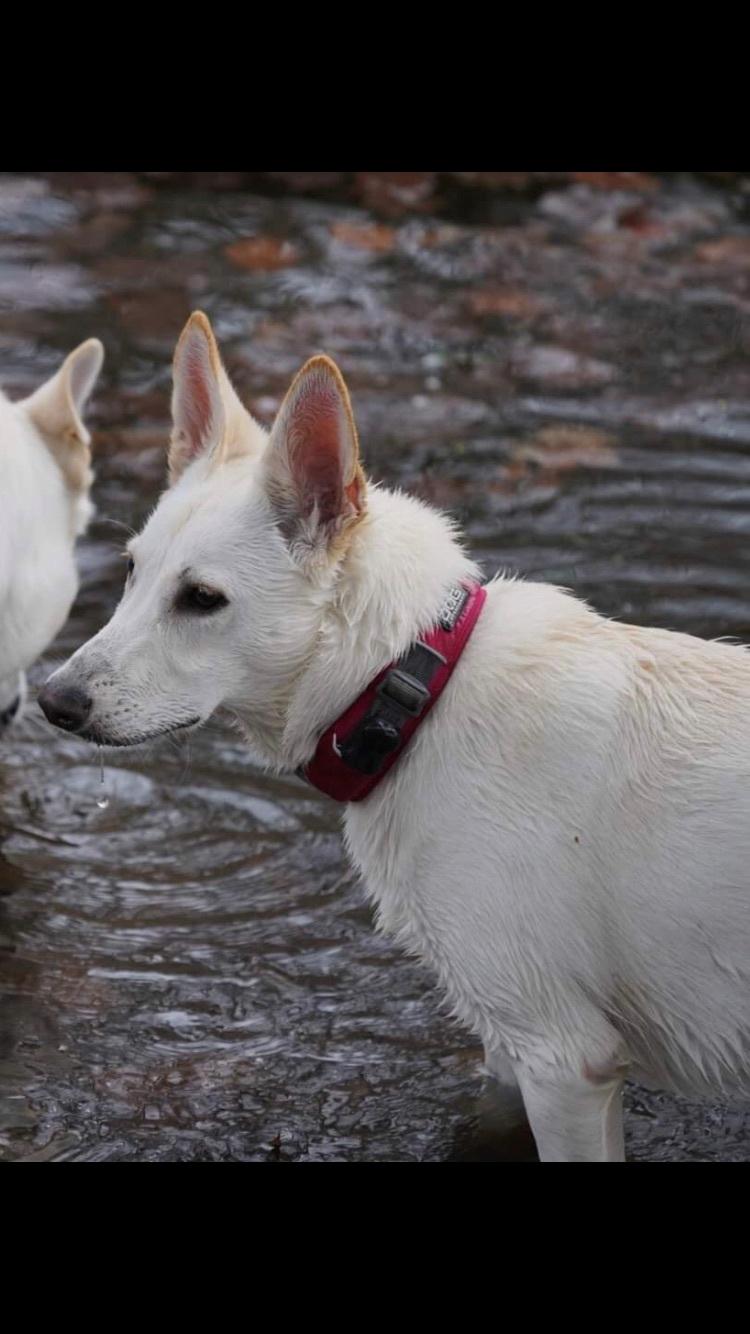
pixel 99 737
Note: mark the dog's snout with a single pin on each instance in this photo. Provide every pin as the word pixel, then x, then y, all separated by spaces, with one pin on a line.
pixel 65 706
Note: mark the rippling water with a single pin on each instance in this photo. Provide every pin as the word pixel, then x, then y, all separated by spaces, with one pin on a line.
pixel 192 973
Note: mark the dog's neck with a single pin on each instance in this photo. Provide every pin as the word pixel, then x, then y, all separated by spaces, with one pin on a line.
pixel 401 562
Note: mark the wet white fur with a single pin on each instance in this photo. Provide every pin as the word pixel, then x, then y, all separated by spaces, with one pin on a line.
pixel 41 514
pixel 566 842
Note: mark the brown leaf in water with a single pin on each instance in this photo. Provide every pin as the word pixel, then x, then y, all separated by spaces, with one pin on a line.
pixel 262 254
pixel 617 180
pixel 377 237
pixel 561 447
pixel 731 250
pixel 510 301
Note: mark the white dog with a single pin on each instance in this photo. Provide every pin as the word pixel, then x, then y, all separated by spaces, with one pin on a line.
pixel 566 838
pixel 44 506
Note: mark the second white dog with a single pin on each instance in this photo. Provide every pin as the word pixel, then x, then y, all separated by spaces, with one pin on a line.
pixel 44 505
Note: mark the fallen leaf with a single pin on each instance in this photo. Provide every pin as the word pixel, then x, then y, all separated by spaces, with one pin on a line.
pixel 617 180
pixel 377 237
pixel 561 447
pixel 734 250
pixel 262 253
pixel 509 301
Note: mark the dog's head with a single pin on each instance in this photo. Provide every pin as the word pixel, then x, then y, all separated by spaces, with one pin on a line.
pixel 45 480
pixel 227 584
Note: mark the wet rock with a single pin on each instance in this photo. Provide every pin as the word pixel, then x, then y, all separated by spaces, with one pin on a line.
pixel 305 182
pixel 205 180
pixel 29 207
pixel 44 287
pixel 395 193
pixel 148 318
pixel 102 189
pixel 131 272
pixel 507 180
pixel 96 234
pixel 559 368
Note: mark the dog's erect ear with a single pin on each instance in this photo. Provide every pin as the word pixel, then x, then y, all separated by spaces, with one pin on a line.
pixel 57 405
pixel 312 471
pixel 207 415
pixel 198 418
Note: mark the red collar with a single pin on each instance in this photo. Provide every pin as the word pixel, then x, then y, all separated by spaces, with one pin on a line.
pixel 359 748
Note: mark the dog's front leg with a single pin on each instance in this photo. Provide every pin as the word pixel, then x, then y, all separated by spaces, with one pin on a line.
pixel 575 1119
pixel 510 1110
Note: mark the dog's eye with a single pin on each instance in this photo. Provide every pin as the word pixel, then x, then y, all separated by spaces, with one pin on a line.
pixel 130 567
pixel 196 597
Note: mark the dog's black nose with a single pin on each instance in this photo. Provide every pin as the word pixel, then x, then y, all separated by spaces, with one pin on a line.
pixel 65 706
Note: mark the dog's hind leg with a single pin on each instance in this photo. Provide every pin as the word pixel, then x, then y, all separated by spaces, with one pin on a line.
pixel 575 1119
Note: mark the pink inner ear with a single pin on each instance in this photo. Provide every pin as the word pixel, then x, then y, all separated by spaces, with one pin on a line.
pixel 195 406
pixel 315 441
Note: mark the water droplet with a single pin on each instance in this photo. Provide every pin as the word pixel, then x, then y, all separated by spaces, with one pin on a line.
pixel 103 800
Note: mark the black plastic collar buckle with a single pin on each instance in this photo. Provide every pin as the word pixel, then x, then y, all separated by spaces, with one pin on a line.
pixel 405 690
pixel 402 694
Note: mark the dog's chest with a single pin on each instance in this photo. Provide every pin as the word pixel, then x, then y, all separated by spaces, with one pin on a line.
pixel 402 848
pixel 382 846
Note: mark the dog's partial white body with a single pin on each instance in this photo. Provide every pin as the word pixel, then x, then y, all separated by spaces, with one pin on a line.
pixel 566 840
pixel 44 506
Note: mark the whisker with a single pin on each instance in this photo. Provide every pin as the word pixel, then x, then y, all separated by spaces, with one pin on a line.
pixel 116 523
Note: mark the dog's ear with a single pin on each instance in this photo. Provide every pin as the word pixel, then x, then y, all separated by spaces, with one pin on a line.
pixel 312 472
pixel 207 415
pixel 57 405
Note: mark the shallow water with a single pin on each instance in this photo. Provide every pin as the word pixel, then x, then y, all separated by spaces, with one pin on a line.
pixel 192 973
